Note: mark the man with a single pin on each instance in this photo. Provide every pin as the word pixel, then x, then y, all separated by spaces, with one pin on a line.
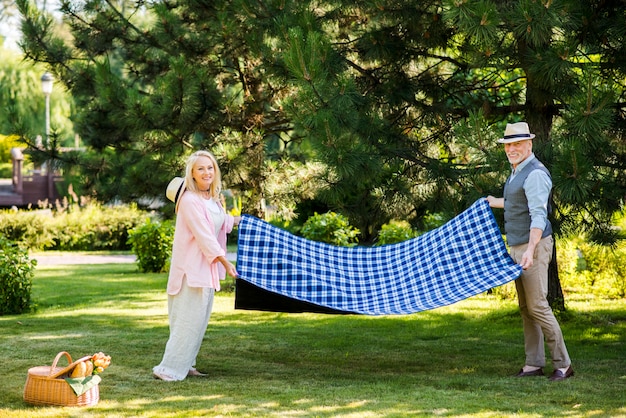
pixel 529 236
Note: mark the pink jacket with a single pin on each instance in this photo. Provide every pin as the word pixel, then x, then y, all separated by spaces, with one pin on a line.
pixel 196 248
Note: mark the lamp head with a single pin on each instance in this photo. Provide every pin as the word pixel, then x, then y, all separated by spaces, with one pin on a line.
pixel 46 83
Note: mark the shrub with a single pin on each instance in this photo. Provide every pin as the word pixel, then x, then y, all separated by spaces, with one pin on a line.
pixel 6 144
pixel 6 170
pixel 16 277
pixel 505 292
pixel 591 268
pixel 395 231
pixel 286 224
pixel 95 227
pixel 331 228
pixel 603 269
pixel 571 264
pixel 152 244
pixel 28 229
pixel 91 227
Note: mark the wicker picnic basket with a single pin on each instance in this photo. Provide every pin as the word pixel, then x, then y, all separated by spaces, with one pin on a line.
pixel 46 385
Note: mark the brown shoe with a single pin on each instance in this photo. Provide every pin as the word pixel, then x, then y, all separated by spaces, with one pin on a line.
pixel 559 375
pixel 522 373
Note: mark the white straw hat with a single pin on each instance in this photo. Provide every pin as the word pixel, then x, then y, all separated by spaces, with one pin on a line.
pixel 516 132
pixel 175 190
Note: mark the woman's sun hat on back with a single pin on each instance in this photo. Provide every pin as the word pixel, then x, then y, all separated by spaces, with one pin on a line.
pixel 175 190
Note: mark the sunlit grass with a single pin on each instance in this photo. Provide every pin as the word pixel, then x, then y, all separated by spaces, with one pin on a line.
pixel 453 361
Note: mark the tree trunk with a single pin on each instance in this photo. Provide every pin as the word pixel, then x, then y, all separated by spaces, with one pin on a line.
pixel 539 114
pixel 555 292
pixel 540 123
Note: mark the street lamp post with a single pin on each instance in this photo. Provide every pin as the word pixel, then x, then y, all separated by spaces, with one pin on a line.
pixel 46 87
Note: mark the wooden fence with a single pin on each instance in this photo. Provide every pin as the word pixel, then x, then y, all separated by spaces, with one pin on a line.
pixel 28 190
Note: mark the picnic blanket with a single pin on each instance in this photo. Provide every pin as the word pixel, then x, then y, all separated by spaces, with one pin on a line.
pixel 460 259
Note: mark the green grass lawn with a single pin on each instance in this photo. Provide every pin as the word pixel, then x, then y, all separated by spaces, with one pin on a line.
pixel 452 361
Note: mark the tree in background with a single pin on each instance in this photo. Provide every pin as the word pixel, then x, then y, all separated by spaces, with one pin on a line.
pixel 560 66
pixel 23 104
pixel 290 97
pixel 8 15
pixel 375 109
pixel 154 82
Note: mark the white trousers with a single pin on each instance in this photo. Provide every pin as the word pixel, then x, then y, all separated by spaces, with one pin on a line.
pixel 189 313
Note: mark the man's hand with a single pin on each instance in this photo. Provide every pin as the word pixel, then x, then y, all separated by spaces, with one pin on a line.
pixel 529 255
pixel 527 259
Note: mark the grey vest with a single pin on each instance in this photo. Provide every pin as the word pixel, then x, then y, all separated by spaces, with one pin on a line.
pixel 516 213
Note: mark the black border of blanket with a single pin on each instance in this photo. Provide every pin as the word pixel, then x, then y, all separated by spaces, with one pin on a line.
pixel 251 297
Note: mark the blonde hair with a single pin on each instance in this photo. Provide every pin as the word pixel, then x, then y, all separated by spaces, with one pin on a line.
pixel 216 186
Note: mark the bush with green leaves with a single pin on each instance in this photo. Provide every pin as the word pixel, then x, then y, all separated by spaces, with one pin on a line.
pixel 6 170
pixel 90 227
pixel 95 227
pixel 16 278
pixel 28 229
pixel 593 268
pixel 394 232
pixel 7 143
pixel 331 228
pixel 152 244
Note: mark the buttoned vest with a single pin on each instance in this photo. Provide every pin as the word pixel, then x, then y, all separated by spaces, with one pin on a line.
pixel 516 214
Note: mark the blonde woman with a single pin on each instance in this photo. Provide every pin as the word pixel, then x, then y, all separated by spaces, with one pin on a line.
pixel 198 263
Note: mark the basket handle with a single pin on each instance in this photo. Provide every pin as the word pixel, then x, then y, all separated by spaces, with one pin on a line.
pixel 68 368
pixel 56 360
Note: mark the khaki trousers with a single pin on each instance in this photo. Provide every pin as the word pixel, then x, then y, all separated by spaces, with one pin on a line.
pixel 537 316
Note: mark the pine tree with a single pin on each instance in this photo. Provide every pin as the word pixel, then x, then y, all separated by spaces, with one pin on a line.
pixel 366 99
pixel 152 82
pixel 569 55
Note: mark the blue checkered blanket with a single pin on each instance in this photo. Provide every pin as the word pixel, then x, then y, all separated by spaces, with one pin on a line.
pixel 460 259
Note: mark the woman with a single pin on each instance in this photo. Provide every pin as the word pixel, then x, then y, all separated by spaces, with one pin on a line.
pixel 198 263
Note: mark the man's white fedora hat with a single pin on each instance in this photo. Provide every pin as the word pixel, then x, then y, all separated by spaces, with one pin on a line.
pixel 516 132
pixel 175 190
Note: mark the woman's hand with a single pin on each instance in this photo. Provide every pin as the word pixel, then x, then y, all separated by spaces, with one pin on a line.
pixel 495 202
pixel 228 266
pixel 230 269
